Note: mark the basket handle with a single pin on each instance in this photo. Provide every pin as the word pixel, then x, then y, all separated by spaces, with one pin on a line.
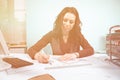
pixel 116 26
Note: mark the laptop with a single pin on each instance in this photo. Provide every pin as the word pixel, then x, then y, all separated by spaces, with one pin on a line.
pixel 4 65
pixel 9 61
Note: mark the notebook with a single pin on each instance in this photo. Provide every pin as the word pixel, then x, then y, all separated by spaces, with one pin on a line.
pixel 15 62
pixel 42 77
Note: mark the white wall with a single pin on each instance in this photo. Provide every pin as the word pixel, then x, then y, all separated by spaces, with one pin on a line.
pixel 97 17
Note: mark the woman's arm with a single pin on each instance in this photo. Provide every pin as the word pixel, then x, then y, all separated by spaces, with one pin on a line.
pixel 87 49
pixel 39 45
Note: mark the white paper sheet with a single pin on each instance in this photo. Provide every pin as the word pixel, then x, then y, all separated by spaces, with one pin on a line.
pixel 56 64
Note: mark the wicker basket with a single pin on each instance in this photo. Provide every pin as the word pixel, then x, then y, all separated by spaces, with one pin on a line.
pixel 113 44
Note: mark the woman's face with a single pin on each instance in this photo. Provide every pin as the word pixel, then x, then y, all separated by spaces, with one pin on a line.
pixel 68 22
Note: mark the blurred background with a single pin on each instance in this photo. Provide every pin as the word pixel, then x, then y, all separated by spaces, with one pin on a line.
pixel 24 22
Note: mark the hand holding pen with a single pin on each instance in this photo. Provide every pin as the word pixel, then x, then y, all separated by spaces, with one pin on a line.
pixel 42 58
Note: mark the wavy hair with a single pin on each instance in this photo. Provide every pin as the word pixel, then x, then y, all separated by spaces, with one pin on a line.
pixel 59 22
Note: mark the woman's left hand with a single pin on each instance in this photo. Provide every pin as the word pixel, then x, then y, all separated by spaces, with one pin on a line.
pixel 67 57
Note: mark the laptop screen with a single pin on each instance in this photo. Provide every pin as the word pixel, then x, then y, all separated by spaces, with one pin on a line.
pixel 3 44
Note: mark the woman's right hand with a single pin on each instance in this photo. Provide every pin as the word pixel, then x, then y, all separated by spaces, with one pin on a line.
pixel 42 57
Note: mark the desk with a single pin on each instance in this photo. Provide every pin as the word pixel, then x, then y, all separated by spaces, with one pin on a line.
pixel 98 69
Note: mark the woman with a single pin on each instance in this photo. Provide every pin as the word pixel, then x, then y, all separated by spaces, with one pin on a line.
pixel 65 39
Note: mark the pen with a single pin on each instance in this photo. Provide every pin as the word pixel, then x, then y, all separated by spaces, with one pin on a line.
pixel 50 62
